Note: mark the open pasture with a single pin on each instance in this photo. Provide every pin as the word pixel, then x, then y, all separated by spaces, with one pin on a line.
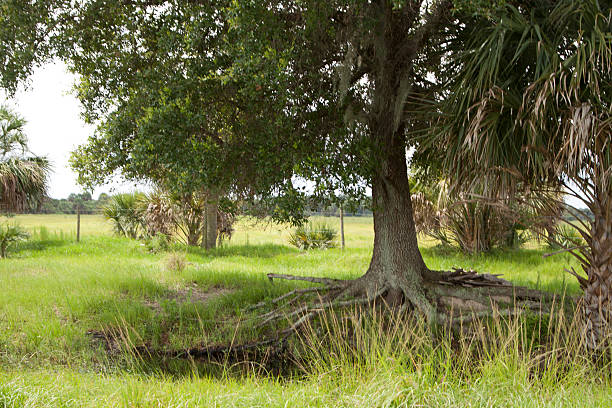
pixel 69 311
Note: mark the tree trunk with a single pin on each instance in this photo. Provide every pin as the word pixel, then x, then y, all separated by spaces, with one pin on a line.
pixel 209 237
pixel 396 264
pixel 597 300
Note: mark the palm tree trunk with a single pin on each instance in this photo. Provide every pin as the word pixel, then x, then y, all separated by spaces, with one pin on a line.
pixel 597 299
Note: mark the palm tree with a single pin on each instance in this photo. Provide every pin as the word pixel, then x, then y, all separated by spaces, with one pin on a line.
pixel 23 177
pixel 530 106
pixel 126 211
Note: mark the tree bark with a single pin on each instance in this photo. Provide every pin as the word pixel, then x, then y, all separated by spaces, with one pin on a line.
pixel 397 265
pixel 396 262
pixel 597 299
pixel 209 237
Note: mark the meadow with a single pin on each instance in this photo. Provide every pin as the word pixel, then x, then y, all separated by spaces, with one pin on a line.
pixel 72 314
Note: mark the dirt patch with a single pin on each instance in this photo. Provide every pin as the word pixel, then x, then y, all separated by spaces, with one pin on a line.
pixel 191 294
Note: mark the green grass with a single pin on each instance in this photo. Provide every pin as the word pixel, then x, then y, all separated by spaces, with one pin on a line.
pixel 64 224
pixel 57 292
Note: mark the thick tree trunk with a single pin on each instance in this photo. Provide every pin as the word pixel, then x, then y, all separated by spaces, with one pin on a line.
pixel 396 262
pixel 209 236
pixel 397 265
pixel 597 300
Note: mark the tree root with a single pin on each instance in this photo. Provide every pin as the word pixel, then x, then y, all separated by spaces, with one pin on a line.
pixel 459 297
pixel 296 293
pixel 326 281
pixel 308 312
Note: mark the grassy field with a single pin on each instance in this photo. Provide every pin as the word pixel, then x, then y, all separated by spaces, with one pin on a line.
pixel 69 311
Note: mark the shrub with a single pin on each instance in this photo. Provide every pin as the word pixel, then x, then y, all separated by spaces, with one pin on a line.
pixel 10 234
pixel 470 225
pixel 475 224
pixel 182 216
pixel 157 243
pixel 175 262
pixel 314 236
pixel 126 211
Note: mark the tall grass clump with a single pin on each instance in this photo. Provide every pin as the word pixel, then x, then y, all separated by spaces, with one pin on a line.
pixel 175 262
pixel 392 352
pixel 314 236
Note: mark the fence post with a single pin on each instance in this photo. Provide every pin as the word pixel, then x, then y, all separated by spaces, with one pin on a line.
pixel 342 225
pixel 78 223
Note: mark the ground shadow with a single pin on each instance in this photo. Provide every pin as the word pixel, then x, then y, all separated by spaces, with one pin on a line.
pixel 131 329
pixel 40 245
pixel 249 251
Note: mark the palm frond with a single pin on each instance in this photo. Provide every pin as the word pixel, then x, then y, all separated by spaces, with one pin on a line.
pixel 23 183
pixel 12 136
pixel 23 179
pixel 532 98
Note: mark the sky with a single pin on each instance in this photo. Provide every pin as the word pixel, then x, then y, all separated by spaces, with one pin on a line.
pixel 55 128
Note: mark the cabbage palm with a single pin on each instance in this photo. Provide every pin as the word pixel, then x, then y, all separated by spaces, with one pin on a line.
pixel 23 177
pixel 530 106
pixel 126 211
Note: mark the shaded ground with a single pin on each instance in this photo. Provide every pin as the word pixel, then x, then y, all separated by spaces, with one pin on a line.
pixel 193 295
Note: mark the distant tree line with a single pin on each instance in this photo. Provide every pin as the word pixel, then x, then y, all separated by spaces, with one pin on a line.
pixel 69 205
pixel 351 208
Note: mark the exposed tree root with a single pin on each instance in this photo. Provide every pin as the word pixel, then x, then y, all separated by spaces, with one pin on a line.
pixel 459 296
pixel 326 281
pixel 294 295
pixel 308 312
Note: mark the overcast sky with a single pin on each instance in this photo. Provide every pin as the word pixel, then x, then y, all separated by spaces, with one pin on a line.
pixel 55 128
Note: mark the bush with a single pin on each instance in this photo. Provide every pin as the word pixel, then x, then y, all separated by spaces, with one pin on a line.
pixel 475 224
pixel 157 243
pixel 314 236
pixel 175 262
pixel 126 211
pixel 10 234
pixel 182 216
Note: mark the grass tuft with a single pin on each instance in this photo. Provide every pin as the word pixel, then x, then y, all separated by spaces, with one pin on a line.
pixel 175 262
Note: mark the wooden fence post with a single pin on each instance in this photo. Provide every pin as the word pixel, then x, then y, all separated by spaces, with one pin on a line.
pixel 78 222
pixel 342 225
